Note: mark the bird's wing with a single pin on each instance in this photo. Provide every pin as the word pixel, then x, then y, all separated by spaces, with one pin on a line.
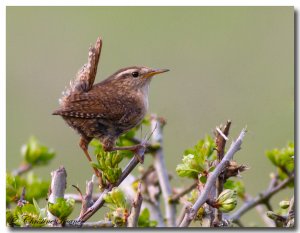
pixel 94 104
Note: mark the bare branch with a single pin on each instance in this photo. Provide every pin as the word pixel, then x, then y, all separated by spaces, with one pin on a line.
pixel 58 186
pixel 129 168
pixel 235 146
pixel 221 138
pixel 77 197
pixel 222 134
pixel 182 213
pixel 155 212
pixel 23 168
pixel 176 197
pixel 136 208
pixel 99 224
pixel 22 200
pixel 86 200
pixel 260 199
pixel 262 213
pixel 160 167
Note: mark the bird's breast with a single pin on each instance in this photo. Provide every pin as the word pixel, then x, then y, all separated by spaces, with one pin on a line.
pixel 135 108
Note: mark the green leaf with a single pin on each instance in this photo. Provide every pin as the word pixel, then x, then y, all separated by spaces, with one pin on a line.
pixel 283 159
pixel 36 206
pixel 184 171
pixel 203 179
pixel 61 208
pixel 10 218
pixel 36 154
pixel 196 160
pixel 35 187
pixel 211 169
pixel 144 219
pixel 191 166
pixel 204 148
pixel 26 215
pixel 95 165
pixel 237 185
pixel 108 163
pixel 116 199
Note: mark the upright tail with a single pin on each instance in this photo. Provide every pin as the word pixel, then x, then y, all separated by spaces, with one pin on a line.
pixel 86 75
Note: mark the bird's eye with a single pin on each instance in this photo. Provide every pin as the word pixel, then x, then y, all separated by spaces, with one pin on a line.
pixel 135 74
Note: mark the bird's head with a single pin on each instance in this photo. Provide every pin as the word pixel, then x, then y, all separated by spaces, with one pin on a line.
pixel 134 77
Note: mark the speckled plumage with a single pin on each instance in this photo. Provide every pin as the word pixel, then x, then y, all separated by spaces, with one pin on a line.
pixel 110 108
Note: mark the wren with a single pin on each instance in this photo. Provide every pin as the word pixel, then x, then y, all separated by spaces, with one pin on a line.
pixel 108 109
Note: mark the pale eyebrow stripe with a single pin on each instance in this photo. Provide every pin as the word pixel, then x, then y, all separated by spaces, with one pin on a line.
pixel 125 72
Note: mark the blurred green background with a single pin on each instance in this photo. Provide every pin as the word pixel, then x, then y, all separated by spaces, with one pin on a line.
pixel 226 63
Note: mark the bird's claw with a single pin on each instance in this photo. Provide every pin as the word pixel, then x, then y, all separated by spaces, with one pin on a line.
pixel 139 152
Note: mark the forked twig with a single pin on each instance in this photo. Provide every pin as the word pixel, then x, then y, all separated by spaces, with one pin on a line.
pixel 191 214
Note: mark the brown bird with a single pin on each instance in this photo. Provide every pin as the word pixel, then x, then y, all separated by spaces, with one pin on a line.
pixel 110 108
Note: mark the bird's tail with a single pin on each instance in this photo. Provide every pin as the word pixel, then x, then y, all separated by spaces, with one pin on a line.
pixel 85 77
pixel 57 112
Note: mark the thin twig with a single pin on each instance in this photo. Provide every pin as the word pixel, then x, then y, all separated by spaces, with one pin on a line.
pixel 260 199
pixel 99 203
pixel 222 134
pixel 155 212
pixel 23 168
pixel 136 208
pixel 268 205
pixel 177 196
pixel 235 146
pixel 86 200
pixel 79 191
pixel 99 224
pixel 154 208
pixel 262 212
pixel 147 172
pixel 181 215
pixel 162 172
pixel 22 199
pixel 77 197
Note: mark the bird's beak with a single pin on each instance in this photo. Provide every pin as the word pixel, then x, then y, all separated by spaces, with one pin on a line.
pixel 154 72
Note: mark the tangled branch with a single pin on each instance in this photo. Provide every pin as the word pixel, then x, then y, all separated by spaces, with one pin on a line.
pixel 191 213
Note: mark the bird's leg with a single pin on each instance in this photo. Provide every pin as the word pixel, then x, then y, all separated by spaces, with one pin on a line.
pixel 83 143
pixel 138 150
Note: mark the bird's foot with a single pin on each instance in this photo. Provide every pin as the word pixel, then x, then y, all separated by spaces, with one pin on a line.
pixel 139 152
